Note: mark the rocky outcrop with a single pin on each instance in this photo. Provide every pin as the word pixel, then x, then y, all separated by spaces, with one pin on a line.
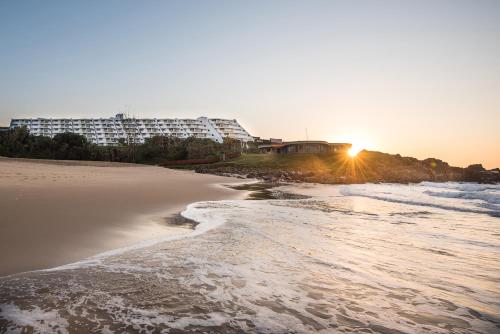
pixel 477 173
pixel 368 167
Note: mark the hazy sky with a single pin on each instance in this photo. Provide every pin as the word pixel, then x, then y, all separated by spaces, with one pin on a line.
pixel 419 78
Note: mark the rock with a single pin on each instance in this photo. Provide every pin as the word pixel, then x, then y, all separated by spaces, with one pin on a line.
pixel 376 167
pixel 473 173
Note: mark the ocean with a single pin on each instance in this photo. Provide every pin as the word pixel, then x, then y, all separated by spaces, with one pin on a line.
pixel 370 258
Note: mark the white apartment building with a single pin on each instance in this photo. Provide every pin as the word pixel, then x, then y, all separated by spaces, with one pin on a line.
pixel 108 131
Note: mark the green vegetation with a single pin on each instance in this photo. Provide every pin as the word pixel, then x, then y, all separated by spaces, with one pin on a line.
pixel 18 143
pixel 367 166
pixel 292 162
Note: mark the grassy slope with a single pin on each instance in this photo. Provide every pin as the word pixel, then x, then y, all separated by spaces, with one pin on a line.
pixel 292 162
pixel 339 168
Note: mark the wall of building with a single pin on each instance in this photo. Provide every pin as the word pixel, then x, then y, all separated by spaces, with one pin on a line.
pixel 108 131
pixel 304 147
pixel 307 148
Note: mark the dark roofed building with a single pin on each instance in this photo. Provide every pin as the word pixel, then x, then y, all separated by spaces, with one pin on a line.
pixel 306 146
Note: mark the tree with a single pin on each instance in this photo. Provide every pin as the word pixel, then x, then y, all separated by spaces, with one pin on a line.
pixel 231 145
pixel 202 148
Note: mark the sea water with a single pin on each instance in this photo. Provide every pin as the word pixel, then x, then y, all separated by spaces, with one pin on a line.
pixel 372 258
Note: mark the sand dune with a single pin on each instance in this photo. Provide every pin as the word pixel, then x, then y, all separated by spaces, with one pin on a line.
pixel 57 212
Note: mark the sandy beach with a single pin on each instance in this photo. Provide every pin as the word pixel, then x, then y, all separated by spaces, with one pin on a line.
pixel 58 212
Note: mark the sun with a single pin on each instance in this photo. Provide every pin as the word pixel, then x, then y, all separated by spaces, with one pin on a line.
pixel 354 150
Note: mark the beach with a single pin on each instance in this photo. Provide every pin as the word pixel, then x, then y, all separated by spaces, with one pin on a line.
pixel 367 258
pixel 58 212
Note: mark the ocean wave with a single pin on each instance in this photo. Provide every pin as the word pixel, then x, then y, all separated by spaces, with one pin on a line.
pixel 482 210
pixel 460 186
pixel 488 197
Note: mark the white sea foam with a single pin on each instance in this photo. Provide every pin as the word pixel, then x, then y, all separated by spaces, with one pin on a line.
pixel 461 186
pixel 40 321
pixel 486 197
pixel 425 194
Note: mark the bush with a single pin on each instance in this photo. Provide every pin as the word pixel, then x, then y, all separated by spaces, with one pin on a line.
pixel 71 146
pixel 202 148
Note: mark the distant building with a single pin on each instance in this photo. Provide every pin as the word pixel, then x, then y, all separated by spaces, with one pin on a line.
pixel 109 131
pixel 306 146
pixel 262 141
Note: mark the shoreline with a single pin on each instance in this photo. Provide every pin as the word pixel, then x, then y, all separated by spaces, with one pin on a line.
pixel 255 253
pixel 60 212
pixel 185 230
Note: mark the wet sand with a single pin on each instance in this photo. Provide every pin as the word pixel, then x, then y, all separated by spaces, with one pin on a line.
pixel 57 212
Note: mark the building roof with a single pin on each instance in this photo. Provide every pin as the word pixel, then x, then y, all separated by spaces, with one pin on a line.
pixel 298 142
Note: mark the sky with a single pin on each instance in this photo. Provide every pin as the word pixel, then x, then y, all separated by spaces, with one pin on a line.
pixel 419 78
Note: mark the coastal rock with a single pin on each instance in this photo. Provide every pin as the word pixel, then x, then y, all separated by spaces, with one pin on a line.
pixel 369 166
pixel 477 173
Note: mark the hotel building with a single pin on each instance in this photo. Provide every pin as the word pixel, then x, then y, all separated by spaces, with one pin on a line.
pixel 108 131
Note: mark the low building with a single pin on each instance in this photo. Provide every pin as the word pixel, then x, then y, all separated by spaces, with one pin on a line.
pixel 109 131
pixel 262 141
pixel 306 146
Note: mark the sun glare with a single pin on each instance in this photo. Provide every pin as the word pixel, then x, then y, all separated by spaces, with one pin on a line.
pixel 354 150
